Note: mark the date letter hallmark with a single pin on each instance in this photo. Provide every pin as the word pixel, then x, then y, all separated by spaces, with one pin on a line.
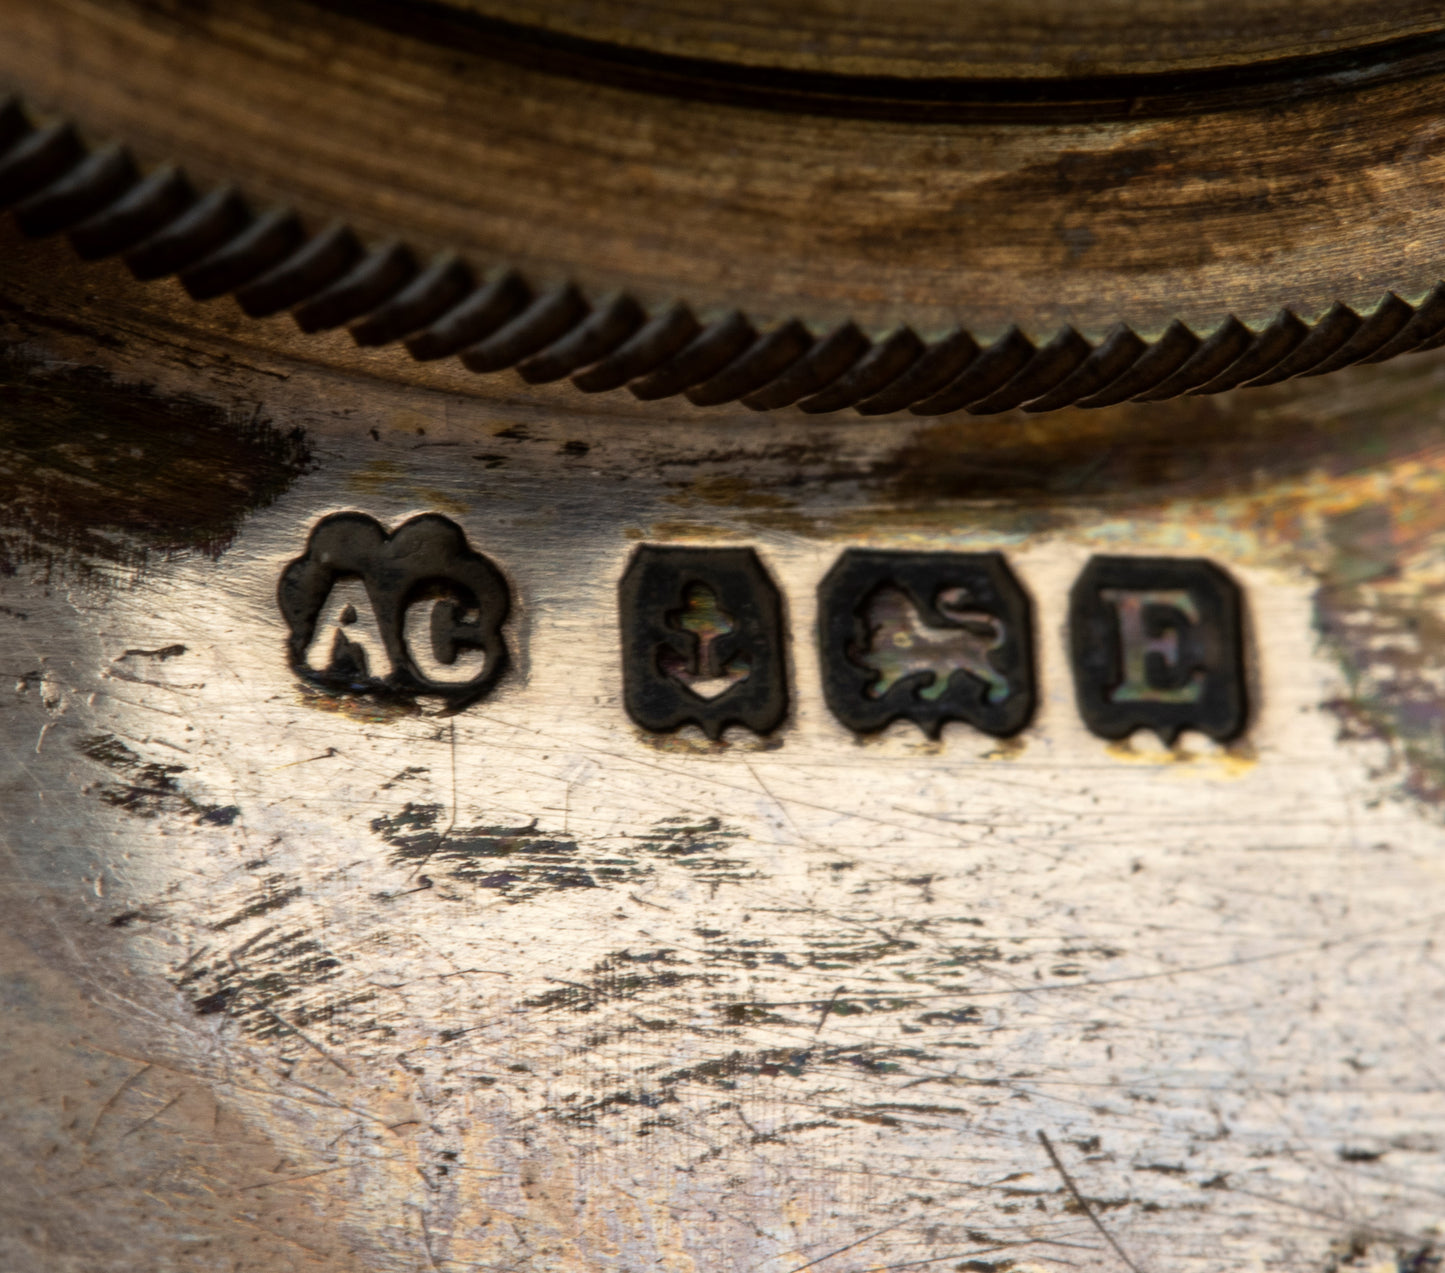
pixel 702 641
pixel 413 613
pixel 929 637
pixel 1157 644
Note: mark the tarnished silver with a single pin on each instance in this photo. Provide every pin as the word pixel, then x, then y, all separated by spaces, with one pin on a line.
pixel 303 980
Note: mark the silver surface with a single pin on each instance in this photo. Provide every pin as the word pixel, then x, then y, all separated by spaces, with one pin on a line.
pixel 652 1002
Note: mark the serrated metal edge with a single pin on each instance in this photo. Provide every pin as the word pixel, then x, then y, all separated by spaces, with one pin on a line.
pixel 217 243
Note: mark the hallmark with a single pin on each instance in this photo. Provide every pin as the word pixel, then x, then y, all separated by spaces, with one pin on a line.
pixel 702 640
pixel 1156 643
pixel 412 613
pixel 928 637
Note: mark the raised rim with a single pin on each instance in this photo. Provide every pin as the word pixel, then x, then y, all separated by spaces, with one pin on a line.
pixel 216 242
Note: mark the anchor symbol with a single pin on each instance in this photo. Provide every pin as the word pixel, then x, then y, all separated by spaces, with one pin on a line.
pixel 704 673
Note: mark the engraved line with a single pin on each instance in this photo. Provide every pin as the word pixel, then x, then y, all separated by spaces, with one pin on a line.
pixel 1084 1202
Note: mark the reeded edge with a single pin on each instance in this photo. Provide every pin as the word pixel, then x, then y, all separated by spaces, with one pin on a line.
pixel 217 243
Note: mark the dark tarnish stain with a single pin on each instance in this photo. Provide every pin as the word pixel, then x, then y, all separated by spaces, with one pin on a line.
pixel 268 985
pixel 622 976
pixel 730 1072
pixel 518 862
pixel 274 895
pixel 406 775
pixel 164 653
pixel 698 845
pixel 268 982
pixel 1139 452
pixel 218 1002
pixel 1388 637
pixel 222 817
pixel 633 993
pixel 126 918
pixel 952 1016
pixel 97 475
pixel 375 708
pixel 148 788
pixel 522 862
pixel 797 460
pixel 1075 1206
pixel 1077 172
pixel 1359 1253
pixel 850 951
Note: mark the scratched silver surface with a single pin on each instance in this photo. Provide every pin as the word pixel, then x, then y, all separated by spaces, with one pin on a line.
pixel 292 985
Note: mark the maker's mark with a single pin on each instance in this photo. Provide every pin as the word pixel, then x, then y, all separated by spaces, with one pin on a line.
pixel 412 613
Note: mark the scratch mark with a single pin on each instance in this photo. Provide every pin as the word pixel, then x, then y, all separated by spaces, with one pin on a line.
pixel 453 823
pixel 782 806
pixel 426 883
pixel 1083 1202
pixel 425 1236
pixel 114 1097
pixel 170 1104
pixel 1333 1219
pixel 1240 961
pixel 827 1008
pixel 309 1042
pixel 325 1099
pixel 939 1259
pixel 867 1237
pixel 331 1144
pixel 121 674
pixel 275 1231
pixel 712 780
pixel 325 755
pixel 286 1180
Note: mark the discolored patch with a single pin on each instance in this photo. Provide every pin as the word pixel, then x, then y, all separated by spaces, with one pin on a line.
pixel 1133 453
pixel 271 985
pixel 98 477
pixel 519 863
pixel 1379 610
pixel 149 788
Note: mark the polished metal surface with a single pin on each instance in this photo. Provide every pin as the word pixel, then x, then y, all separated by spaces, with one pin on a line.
pixel 303 979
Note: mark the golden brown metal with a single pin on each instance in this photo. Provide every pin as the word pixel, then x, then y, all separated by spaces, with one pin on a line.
pixel 989 39
pixel 1122 239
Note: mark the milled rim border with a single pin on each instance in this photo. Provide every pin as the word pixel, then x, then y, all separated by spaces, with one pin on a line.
pixel 161 224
